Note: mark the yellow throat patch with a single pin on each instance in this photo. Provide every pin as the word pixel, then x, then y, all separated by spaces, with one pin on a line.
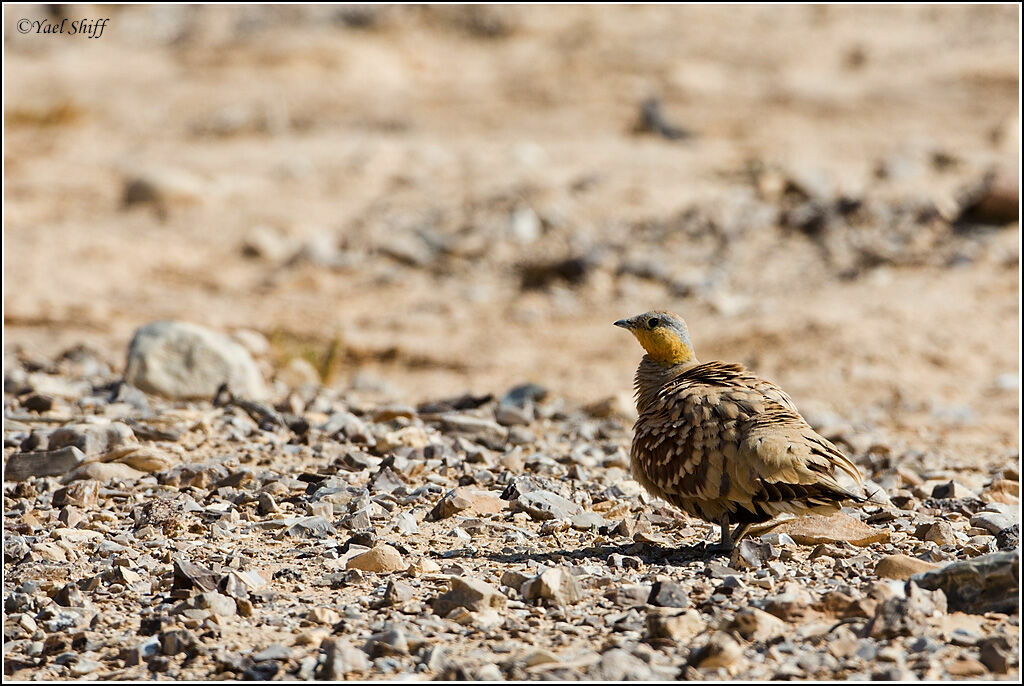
pixel 663 345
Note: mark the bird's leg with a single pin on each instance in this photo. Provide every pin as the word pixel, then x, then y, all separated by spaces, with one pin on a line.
pixel 725 545
pixel 740 531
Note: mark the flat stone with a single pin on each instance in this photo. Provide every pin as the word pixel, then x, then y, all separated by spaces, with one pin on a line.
pixel 323 615
pixel 398 592
pixel 275 651
pixel 964 666
pixel 316 526
pixel 1003 491
pixel 992 522
pixel 466 501
pixel 55 618
pixel 217 603
pixel 485 431
pixel 81 494
pixel 902 567
pixel 587 521
pixel 105 472
pixel 836 528
pixel 507 414
pixel 21 466
pixel 750 554
pixel 176 641
pixel 544 505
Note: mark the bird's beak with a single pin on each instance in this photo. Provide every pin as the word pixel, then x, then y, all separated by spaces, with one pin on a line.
pixel 624 323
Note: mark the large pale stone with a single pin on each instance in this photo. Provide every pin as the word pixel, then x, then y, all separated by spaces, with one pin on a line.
pixel 182 360
pixel 902 567
pixel 382 559
pixel 817 529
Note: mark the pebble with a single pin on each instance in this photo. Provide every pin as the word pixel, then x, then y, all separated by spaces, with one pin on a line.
pixel 544 505
pixel 992 522
pixel 679 628
pixel 940 533
pixel 618 665
pixel 555 584
pixel 758 626
pixel 721 650
pixel 668 594
pixel 340 659
pixel 382 559
pixel 471 594
pixel 466 501
pixel 105 472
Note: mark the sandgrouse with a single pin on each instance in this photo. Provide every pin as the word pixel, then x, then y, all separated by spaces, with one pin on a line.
pixel 723 444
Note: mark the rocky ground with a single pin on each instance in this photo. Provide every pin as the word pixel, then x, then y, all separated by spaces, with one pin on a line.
pixel 402 247
pixel 328 535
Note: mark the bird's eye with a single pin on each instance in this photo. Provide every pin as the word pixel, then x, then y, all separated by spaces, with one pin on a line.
pixel 651 323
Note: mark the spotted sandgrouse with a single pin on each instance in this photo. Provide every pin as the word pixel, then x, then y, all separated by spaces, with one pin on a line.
pixel 723 444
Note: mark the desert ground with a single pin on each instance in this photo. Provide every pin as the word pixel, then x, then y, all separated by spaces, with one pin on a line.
pixel 389 207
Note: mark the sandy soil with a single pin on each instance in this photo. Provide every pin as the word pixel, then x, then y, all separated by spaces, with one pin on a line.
pixel 293 124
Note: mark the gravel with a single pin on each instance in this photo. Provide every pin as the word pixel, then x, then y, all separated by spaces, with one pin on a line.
pixel 370 541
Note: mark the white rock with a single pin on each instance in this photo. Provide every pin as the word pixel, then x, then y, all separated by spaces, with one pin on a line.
pixel 183 360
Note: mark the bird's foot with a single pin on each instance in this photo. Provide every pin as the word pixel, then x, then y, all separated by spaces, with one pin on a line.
pixel 718 549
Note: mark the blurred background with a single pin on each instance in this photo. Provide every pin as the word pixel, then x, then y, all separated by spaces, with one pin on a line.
pixel 429 200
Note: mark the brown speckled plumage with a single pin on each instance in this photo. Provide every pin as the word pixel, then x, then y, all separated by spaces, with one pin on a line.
pixel 725 445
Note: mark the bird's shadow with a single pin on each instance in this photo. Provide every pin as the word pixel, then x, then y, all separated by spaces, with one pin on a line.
pixel 648 553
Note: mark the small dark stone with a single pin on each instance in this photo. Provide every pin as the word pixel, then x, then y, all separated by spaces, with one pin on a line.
pixel 523 394
pixel 668 594
pixel 177 641
pixel 70 596
pixel 188 575
pixel 366 538
pixel 153 625
pixel 261 671
pixel 1009 538
pixel 518 486
pixel 385 481
pixel 988 583
pixel 996 654
pixel 652 120
pixel 572 270
pixel 159 663
pixel 398 592
pixel 38 403
pixel 21 466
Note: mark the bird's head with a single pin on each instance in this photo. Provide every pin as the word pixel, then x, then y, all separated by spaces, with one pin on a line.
pixel 663 335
